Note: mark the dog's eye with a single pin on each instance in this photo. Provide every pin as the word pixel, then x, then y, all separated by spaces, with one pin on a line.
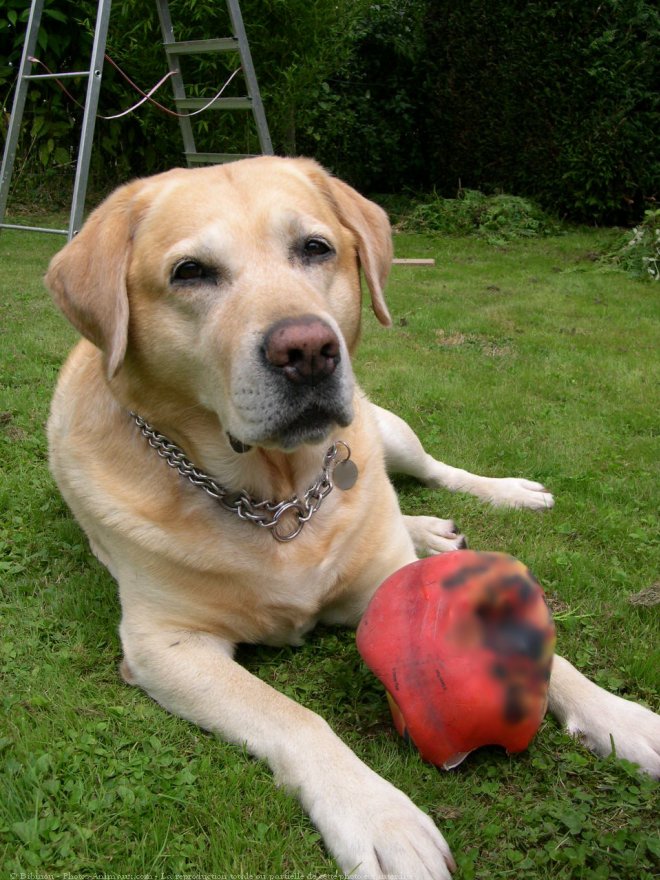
pixel 191 271
pixel 316 248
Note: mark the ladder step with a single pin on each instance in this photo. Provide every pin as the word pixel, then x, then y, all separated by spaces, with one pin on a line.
pixel 216 158
pixel 56 75
pixel 220 104
pixel 33 228
pixel 199 47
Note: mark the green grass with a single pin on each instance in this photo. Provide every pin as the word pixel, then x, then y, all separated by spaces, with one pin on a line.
pixel 528 361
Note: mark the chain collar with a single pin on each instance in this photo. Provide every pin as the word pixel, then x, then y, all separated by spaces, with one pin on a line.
pixel 266 514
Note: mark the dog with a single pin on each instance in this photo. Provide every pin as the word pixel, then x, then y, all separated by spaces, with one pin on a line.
pixel 220 308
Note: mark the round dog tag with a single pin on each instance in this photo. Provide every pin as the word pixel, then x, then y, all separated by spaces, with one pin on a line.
pixel 345 474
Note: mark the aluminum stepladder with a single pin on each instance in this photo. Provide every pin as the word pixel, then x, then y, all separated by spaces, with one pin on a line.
pixel 236 43
pixel 252 101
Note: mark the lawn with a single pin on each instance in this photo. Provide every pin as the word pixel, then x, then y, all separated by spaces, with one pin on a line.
pixel 529 360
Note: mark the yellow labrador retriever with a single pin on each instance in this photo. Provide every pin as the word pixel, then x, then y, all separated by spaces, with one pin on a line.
pixel 220 308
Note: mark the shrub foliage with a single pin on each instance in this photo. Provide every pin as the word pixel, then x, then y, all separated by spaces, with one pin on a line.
pixel 638 252
pixel 554 101
pixel 497 218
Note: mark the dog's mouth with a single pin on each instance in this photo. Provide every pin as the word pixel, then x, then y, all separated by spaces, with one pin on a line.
pixel 238 445
pixel 311 426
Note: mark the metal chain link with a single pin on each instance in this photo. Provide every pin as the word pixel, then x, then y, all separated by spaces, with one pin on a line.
pixel 266 514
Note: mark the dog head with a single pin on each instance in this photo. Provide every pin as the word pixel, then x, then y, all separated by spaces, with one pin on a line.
pixel 235 288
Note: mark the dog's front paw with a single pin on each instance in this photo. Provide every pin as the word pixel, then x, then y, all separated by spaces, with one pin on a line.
pixel 431 535
pixel 375 832
pixel 631 729
pixel 515 492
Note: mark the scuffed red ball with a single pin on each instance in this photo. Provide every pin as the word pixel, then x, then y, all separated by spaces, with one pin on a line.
pixel 463 643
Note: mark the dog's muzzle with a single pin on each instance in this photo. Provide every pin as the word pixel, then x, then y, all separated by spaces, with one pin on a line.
pixel 303 356
pixel 294 386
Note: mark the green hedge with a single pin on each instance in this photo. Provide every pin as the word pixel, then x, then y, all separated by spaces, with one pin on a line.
pixel 554 100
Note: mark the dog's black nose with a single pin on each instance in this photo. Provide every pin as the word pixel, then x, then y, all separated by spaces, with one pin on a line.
pixel 305 349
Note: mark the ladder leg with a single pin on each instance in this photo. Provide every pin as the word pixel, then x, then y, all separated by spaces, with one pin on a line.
pixel 89 117
pixel 250 77
pixel 16 119
pixel 177 80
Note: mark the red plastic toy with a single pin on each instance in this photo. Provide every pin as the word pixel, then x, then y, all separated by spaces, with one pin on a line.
pixel 463 643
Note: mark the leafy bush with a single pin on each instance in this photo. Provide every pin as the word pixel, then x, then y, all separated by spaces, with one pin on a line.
pixel 498 218
pixel 556 101
pixel 367 121
pixel 638 254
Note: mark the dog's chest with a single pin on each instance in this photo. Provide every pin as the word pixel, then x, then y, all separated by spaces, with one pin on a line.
pixel 260 598
pixel 230 576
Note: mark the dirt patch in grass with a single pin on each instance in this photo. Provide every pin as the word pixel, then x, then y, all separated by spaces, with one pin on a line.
pixel 450 340
pixel 489 347
pixel 646 598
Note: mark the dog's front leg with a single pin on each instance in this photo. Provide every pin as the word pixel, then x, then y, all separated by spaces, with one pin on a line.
pixel 404 454
pixel 603 721
pixel 372 829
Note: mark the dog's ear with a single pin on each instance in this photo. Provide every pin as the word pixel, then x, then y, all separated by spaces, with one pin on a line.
pixel 371 227
pixel 87 278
